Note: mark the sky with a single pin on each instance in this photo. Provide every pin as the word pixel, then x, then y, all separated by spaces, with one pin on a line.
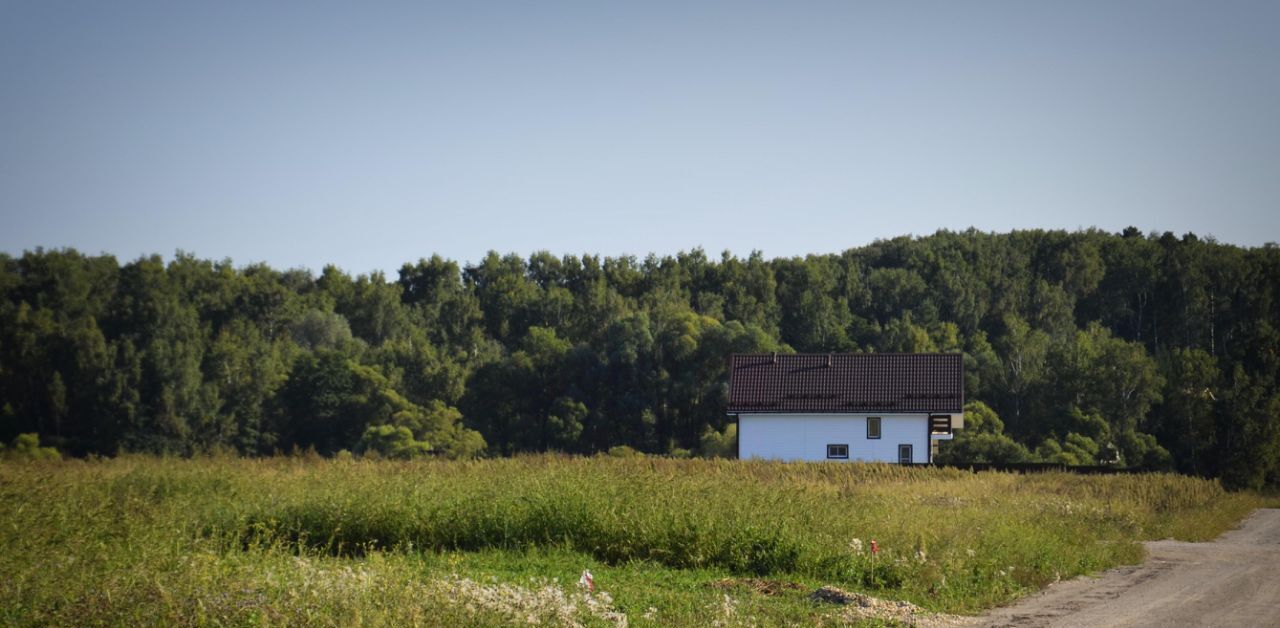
pixel 370 134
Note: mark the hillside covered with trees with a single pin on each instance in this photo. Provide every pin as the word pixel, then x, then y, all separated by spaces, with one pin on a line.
pixel 1085 347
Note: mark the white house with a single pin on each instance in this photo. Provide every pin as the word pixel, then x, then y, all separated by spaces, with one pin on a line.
pixel 881 407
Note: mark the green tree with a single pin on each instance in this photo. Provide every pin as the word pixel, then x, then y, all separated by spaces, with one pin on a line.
pixel 174 403
pixel 444 307
pixel 1251 417
pixel 1185 418
pixel 981 440
pixel 1023 353
pixel 390 441
pixel 317 329
pixel 813 317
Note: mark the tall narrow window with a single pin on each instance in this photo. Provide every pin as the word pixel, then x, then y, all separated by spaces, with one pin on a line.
pixel 873 427
pixel 838 451
pixel 904 454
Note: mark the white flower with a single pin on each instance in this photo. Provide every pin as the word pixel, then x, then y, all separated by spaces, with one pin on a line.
pixel 855 545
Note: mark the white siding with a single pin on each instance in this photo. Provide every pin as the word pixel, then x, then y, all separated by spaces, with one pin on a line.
pixel 806 436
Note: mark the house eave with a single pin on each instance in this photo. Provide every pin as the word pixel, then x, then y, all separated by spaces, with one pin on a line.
pixel 872 411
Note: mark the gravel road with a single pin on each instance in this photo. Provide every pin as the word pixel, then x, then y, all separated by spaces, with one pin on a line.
pixel 1232 581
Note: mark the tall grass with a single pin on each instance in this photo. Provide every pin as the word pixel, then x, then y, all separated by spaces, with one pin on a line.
pixel 217 540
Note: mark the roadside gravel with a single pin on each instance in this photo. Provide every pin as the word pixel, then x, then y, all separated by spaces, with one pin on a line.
pixel 1231 581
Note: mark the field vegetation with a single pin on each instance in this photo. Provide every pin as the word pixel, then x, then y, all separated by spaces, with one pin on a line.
pixel 224 540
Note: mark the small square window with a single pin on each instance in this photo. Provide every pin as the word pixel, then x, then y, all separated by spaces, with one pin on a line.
pixel 873 427
pixel 838 451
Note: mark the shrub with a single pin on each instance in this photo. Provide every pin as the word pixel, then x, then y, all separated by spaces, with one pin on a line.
pixel 715 444
pixel 27 447
pixel 390 441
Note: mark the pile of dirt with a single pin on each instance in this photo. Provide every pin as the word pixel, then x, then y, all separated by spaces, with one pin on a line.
pixel 756 585
pixel 859 606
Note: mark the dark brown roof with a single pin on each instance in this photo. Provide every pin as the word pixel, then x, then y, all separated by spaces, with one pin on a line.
pixel 846 382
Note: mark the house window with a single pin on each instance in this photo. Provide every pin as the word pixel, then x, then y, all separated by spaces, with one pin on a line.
pixel 904 454
pixel 873 427
pixel 838 451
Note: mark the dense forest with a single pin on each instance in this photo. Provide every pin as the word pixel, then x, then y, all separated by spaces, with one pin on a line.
pixel 1083 348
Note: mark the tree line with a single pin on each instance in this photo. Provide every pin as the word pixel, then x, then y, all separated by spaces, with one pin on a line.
pixel 1080 347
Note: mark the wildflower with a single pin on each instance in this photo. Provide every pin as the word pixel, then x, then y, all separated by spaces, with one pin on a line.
pixel 586 581
pixel 970 553
pixel 855 545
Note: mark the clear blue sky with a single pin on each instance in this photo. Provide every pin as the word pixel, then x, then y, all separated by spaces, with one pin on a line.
pixel 371 134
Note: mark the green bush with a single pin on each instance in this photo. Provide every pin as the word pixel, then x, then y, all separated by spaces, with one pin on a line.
pixel 27 447
pixel 391 441
pixel 981 440
pixel 715 444
pixel 623 451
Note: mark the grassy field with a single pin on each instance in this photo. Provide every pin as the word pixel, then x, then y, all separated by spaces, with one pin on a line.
pixel 218 541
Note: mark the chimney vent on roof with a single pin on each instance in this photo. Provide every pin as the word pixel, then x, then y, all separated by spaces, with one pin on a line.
pixel 830 357
pixel 775 357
